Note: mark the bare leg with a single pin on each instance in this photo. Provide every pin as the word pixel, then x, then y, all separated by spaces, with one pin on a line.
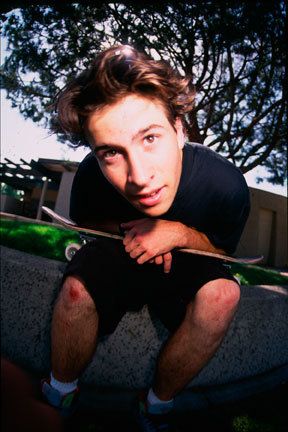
pixel 74 331
pixel 198 337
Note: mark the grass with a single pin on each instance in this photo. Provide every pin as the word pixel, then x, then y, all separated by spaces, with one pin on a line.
pixel 50 242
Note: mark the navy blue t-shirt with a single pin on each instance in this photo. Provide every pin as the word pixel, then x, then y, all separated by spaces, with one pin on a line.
pixel 212 197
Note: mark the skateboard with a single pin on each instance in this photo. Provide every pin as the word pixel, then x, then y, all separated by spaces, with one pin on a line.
pixel 88 233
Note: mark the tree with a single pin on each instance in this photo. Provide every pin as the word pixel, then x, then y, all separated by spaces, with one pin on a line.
pixel 233 52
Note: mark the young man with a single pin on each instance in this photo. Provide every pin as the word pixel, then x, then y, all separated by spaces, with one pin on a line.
pixel 163 195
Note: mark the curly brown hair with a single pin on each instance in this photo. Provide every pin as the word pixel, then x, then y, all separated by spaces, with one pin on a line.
pixel 115 73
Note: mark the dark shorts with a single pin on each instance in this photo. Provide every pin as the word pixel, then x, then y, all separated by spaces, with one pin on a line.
pixel 117 283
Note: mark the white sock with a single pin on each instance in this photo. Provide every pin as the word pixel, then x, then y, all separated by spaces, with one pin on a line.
pixel 156 405
pixel 63 387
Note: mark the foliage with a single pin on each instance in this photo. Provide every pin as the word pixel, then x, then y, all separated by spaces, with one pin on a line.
pixel 256 275
pixel 234 52
pixel 46 241
pixel 8 190
pixel 246 424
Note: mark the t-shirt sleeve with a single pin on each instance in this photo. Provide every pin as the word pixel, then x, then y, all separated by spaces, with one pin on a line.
pixel 231 216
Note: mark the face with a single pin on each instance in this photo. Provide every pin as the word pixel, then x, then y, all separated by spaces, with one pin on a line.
pixel 139 151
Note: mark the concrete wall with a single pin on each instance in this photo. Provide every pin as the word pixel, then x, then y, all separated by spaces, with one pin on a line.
pixel 252 358
pixel 266 229
pixel 63 197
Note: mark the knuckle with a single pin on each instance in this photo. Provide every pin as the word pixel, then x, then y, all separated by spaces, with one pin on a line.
pixel 149 254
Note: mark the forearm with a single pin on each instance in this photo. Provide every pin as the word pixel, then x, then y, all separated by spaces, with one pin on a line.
pixel 190 238
pixel 152 240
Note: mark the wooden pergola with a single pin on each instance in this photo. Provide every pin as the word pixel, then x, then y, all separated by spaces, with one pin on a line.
pixel 42 174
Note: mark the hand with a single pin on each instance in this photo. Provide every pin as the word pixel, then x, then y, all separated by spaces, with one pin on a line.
pixel 151 240
pixel 165 259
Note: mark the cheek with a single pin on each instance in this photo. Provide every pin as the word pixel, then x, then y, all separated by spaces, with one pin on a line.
pixel 172 163
pixel 115 176
pixel 166 156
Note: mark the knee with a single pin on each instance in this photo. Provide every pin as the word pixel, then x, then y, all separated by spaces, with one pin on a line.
pixel 74 293
pixel 221 297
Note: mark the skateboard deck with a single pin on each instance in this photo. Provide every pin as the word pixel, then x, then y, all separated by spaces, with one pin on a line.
pixel 67 223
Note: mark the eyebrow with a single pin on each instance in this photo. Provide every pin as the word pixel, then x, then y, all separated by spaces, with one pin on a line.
pixel 135 136
pixel 145 130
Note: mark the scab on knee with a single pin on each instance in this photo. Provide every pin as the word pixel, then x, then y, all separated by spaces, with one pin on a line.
pixel 219 299
pixel 230 294
pixel 73 291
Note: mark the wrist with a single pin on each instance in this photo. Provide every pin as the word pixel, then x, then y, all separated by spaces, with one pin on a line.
pixel 184 235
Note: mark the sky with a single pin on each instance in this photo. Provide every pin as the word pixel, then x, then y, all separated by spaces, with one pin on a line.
pixel 22 138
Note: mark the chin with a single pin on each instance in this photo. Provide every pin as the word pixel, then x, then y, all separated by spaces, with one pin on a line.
pixel 155 211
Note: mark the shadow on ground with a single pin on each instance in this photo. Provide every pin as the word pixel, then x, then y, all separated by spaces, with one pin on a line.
pixel 263 413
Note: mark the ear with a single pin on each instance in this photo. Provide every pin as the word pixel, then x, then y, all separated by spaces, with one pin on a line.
pixel 180 133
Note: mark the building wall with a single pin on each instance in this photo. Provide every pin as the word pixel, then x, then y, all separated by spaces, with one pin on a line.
pixel 9 204
pixel 50 195
pixel 63 198
pixel 266 229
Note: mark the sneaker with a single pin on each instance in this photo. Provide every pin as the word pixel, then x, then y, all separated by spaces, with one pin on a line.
pixel 152 422
pixel 66 404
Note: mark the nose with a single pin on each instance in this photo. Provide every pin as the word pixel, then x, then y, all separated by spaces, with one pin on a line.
pixel 139 171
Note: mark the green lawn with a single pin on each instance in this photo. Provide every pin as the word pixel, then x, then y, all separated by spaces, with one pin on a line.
pixel 50 242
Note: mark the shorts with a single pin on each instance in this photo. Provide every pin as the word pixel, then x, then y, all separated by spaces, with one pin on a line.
pixel 117 283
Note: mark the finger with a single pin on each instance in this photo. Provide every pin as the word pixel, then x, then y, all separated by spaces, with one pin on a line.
pixel 145 257
pixel 167 258
pixel 129 236
pixel 135 253
pixel 133 243
pixel 158 259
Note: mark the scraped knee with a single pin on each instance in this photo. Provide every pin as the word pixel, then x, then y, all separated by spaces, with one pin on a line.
pixel 74 293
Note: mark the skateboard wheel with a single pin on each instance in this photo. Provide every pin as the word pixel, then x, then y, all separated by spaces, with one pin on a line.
pixel 71 249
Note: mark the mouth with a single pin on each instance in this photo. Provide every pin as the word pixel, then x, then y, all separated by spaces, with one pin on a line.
pixel 150 199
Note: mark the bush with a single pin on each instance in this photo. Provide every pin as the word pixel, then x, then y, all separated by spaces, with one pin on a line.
pixel 43 240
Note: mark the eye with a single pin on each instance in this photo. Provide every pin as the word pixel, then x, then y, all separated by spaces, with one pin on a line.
pixel 150 139
pixel 110 154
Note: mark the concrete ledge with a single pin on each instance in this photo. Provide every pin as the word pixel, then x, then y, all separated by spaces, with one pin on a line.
pixel 253 356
